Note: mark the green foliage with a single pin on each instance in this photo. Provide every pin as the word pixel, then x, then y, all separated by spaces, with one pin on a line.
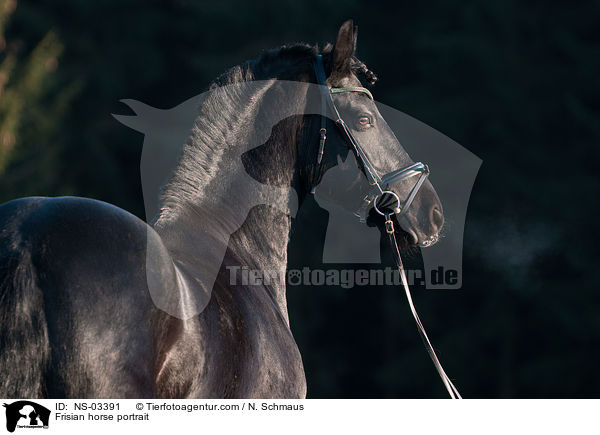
pixel 23 85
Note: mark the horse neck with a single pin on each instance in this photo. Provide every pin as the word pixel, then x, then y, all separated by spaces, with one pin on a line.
pixel 259 250
pixel 212 259
pixel 239 217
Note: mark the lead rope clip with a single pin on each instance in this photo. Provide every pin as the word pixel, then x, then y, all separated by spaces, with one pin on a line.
pixel 389 225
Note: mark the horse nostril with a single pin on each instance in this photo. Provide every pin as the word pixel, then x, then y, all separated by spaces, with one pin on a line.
pixel 437 218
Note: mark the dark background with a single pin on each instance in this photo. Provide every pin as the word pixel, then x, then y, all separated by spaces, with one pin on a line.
pixel 514 82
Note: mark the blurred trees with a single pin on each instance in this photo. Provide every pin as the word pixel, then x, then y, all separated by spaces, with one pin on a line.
pixel 25 75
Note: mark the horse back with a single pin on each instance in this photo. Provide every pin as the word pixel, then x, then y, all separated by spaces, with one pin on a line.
pixel 74 306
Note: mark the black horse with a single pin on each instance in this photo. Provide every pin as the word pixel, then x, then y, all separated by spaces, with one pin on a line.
pixel 76 315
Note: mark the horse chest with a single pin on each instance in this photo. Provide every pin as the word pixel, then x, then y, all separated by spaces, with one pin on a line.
pixel 239 347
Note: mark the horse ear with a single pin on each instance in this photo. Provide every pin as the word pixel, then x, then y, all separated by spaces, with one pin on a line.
pixel 344 48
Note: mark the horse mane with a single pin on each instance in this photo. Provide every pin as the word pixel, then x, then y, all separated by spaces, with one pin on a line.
pixel 218 114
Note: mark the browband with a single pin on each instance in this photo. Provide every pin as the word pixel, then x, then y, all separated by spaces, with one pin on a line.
pixel 351 89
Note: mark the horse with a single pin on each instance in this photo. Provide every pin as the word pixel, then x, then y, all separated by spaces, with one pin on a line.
pixel 77 317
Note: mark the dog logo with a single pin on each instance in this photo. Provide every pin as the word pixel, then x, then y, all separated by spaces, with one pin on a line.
pixel 26 414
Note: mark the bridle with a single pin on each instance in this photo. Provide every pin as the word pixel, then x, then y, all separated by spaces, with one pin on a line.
pixel 379 186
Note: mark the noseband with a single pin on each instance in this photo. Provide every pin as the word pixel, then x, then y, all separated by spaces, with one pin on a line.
pixel 380 185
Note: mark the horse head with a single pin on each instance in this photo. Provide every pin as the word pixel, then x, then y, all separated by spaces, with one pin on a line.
pixel 374 176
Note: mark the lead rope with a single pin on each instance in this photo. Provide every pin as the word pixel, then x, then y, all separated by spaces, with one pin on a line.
pixel 389 228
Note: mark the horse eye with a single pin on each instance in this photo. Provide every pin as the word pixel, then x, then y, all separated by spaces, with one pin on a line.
pixel 364 121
